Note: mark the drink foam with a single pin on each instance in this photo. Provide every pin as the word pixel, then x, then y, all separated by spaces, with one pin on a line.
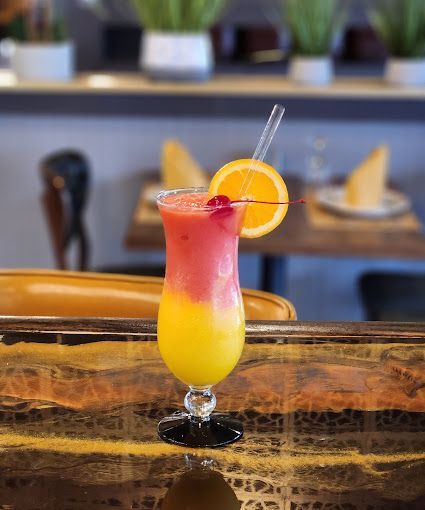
pixel 186 200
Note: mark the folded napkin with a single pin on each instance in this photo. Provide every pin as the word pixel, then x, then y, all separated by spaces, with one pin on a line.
pixel 365 186
pixel 179 169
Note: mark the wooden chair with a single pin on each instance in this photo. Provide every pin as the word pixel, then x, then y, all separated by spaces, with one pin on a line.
pixel 66 184
pixel 66 179
pixel 66 293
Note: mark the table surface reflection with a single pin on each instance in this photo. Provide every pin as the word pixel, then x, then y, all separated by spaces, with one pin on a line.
pixel 334 418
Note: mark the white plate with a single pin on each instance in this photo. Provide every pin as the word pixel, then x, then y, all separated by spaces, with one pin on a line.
pixel 333 198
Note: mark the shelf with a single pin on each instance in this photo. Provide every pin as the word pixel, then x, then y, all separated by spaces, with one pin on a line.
pixel 224 95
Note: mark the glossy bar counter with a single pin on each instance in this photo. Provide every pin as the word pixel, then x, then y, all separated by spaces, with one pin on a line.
pixel 334 418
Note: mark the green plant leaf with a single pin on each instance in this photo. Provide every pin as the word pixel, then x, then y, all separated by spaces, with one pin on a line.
pixel 54 29
pixel 400 24
pixel 16 29
pixel 313 24
pixel 178 15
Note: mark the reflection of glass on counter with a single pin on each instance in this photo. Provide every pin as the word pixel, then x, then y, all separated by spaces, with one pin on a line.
pixel 200 488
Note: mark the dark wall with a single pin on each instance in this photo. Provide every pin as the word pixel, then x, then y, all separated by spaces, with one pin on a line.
pixel 238 11
pixel 86 29
pixel 92 30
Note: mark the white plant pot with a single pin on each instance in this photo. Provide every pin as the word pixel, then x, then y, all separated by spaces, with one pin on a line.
pixel 405 72
pixel 311 70
pixel 43 61
pixel 176 56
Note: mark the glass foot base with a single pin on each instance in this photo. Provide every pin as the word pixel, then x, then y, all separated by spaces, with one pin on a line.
pixel 219 430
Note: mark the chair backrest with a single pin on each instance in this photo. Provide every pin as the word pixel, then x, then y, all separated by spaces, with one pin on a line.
pixel 66 178
pixel 66 293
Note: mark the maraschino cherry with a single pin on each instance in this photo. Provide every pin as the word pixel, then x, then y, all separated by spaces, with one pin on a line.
pixel 222 201
pixel 219 201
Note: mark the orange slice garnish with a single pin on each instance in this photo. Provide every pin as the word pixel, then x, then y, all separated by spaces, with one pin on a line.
pixel 266 185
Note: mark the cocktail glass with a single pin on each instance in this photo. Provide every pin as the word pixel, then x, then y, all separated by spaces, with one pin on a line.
pixel 201 322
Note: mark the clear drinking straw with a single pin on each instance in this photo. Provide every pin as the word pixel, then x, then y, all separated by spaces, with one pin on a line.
pixel 263 146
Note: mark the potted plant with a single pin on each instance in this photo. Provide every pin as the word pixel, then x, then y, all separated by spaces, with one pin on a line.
pixel 401 26
pixel 175 43
pixel 313 27
pixel 42 51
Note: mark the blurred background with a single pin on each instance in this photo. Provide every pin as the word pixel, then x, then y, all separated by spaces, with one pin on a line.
pixel 112 80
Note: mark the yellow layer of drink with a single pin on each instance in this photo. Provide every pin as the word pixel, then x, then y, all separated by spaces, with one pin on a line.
pixel 199 343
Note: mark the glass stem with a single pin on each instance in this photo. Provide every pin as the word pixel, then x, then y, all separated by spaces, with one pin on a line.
pixel 200 402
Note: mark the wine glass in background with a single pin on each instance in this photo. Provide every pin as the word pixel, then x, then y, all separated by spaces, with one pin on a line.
pixel 317 165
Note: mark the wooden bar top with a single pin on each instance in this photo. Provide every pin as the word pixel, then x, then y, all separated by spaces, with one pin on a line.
pixel 334 417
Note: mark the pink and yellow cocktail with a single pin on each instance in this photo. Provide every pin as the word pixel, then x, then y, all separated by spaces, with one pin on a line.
pixel 201 326
pixel 201 322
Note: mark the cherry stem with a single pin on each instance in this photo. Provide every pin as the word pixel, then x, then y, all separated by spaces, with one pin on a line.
pixel 246 201
pixel 223 202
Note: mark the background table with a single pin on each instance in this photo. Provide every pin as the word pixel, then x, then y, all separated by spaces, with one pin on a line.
pixel 334 417
pixel 297 236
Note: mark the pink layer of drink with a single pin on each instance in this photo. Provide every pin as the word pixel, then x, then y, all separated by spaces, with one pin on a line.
pixel 202 247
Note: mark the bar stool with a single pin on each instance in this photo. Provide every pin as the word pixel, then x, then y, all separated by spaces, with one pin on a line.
pixel 393 296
